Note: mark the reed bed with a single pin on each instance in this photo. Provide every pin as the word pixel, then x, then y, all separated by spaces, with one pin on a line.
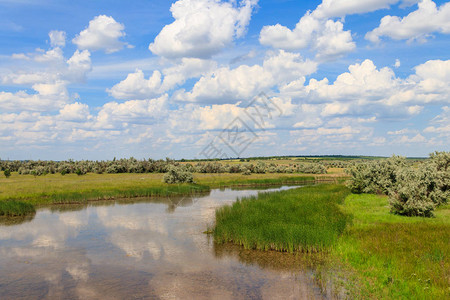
pixel 15 208
pixel 306 219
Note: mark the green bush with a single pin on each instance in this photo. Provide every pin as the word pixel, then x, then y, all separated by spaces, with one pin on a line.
pixel 7 173
pixel 419 190
pixel 375 176
pixel 178 175
pixel 413 190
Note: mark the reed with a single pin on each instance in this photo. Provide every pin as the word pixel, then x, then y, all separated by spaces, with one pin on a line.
pixel 306 219
pixel 15 208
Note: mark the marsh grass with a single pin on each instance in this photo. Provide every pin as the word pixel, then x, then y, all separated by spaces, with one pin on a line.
pixel 306 219
pixel 16 208
pixel 386 256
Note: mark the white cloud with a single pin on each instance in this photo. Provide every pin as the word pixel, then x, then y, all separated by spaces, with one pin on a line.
pixel 325 37
pixel 75 112
pixel 202 28
pixel 341 8
pixel 48 97
pixel 418 25
pixel 225 85
pixel 418 138
pixel 186 69
pixel 135 86
pixel 103 33
pixel 286 66
pixel 397 63
pixel 54 56
pixel 441 125
pixel 113 114
pixel 333 41
pixel 362 82
pixel 78 66
pixel 57 38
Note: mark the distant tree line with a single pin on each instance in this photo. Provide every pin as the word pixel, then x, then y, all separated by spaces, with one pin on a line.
pixel 132 165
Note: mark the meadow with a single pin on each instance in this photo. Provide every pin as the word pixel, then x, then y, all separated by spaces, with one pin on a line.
pixel 386 256
pixel 72 189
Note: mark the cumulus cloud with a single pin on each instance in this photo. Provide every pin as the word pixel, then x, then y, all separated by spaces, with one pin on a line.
pixel 225 85
pixel 341 8
pixel 76 112
pixel 135 86
pixel 326 37
pixel 202 28
pixel 103 33
pixel 418 25
pixel 48 96
pixel 134 111
pixel 57 38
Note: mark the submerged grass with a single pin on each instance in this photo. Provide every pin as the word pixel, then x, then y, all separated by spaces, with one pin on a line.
pixel 15 208
pixel 386 256
pixel 306 219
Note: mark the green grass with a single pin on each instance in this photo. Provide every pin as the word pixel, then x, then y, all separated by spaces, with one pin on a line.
pixel 386 256
pixel 73 189
pixel 306 219
pixel 15 208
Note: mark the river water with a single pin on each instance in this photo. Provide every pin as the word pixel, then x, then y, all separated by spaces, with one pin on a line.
pixel 150 248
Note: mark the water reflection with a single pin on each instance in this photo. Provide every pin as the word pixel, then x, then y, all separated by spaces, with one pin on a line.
pixel 144 248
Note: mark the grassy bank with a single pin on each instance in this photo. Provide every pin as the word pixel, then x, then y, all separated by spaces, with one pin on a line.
pixel 306 219
pixel 386 256
pixel 70 188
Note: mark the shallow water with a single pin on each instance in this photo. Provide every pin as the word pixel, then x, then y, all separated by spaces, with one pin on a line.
pixel 146 249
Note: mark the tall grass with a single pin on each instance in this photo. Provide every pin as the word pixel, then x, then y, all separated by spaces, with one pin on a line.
pixel 306 219
pixel 15 208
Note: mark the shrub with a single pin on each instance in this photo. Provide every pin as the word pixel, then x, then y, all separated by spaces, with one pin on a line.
pixel 411 194
pixel 412 190
pixel 375 176
pixel 178 175
pixel 7 173
pixel 247 172
pixel 419 190
pixel 80 172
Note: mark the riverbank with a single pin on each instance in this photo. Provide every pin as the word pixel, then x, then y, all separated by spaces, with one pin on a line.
pixel 73 189
pixel 377 256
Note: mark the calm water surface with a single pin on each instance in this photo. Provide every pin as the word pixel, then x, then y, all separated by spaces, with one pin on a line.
pixel 145 249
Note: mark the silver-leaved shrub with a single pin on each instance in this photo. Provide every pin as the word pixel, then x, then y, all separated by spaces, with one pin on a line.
pixel 177 174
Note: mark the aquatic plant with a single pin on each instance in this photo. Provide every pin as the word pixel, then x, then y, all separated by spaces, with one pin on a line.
pixel 15 208
pixel 304 219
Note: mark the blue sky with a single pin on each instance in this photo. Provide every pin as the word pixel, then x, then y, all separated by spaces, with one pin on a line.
pixel 104 79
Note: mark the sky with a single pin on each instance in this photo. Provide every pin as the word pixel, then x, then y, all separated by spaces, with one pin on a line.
pixel 183 79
